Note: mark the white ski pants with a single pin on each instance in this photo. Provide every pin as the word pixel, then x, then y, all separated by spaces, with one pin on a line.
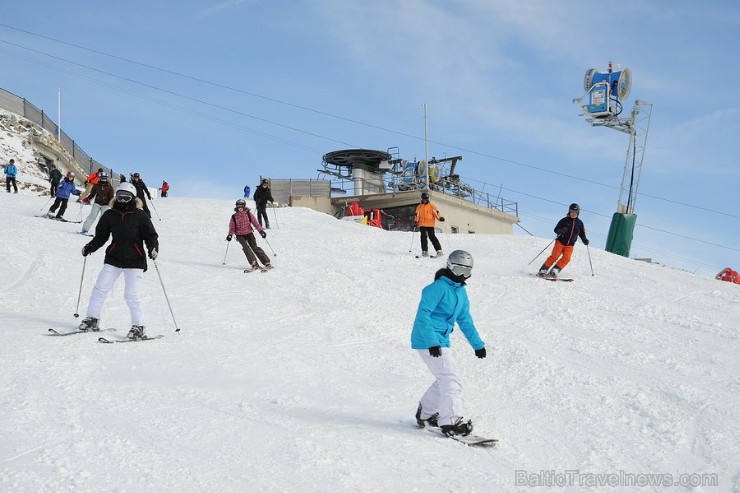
pixel 131 292
pixel 96 210
pixel 444 396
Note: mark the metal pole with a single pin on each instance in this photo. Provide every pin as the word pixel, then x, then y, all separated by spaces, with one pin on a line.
pixel 268 244
pixel 548 245
pixel 227 252
pixel 589 260
pixel 79 295
pixel 151 202
pixel 274 214
pixel 177 329
pixel 47 203
pixel 426 144
pixel 413 232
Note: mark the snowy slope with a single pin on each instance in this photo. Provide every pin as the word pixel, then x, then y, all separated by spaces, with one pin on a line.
pixel 302 379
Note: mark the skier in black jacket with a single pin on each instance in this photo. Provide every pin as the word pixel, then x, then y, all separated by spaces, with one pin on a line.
pixel 141 190
pixel 55 176
pixel 568 229
pixel 261 197
pixel 130 228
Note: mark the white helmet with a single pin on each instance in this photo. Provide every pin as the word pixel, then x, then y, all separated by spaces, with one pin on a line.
pixel 125 192
pixel 460 263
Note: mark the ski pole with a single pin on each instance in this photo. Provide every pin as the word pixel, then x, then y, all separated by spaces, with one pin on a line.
pixel 413 232
pixel 548 245
pixel 177 329
pixel 589 260
pixel 79 295
pixel 47 203
pixel 155 209
pixel 274 214
pixel 227 252
pixel 268 244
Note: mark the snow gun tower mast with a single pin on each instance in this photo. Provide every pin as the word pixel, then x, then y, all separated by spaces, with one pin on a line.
pixel 601 105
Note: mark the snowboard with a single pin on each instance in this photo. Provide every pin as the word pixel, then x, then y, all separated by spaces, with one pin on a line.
pixel 469 440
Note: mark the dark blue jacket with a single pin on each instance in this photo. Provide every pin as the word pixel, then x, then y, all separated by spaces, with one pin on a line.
pixel 573 228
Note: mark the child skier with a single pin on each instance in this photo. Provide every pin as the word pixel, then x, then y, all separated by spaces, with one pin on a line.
pixel 241 224
pixel 425 218
pixel 568 230
pixel 66 188
pixel 443 303
pixel 130 228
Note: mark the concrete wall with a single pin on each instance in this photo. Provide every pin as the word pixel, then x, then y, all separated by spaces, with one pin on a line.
pixel 321 204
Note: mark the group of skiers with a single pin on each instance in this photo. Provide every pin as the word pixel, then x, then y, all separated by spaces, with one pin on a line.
pixel 445 302
pixel 126 219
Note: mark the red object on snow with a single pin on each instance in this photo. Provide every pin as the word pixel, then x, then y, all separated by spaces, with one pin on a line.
pixel 375 218
pixel 728 275
pixel 354 209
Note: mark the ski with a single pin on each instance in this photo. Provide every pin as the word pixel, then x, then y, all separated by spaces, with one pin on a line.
pixel 126 339
pixel 469 440
pixel 54 332
pixel 554 279
pixel 261 269
pixel 428 256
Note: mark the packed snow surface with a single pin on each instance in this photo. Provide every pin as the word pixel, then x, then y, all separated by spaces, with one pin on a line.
pixel 302 378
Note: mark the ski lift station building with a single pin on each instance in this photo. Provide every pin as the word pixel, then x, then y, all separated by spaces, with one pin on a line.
pixel 388 189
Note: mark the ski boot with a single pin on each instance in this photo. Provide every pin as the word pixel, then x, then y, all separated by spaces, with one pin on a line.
pixel 255 266
pixel 553 273
pixel 424 422
pixel 136 332
pixel 424 254
pixel 459 427
pixel 268 266
pixel 439 253
pixel 89 323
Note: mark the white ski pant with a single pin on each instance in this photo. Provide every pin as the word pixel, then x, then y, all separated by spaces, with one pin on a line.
pixel 97 210
pixel 445 394
pixel 131 292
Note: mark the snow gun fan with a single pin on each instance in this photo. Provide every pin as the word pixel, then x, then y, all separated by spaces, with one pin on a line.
pixel 605 91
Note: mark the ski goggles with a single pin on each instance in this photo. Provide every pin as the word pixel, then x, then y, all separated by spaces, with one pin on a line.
pixel 124 196
pixel 461 270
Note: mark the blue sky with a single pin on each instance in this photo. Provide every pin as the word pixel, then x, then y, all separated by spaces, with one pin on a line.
pixel 284 79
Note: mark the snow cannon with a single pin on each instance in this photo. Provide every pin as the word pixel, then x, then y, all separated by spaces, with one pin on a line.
pixel 605 91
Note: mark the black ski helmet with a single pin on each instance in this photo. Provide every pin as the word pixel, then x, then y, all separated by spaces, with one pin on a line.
pixel 575 207
pixel 424 196
pixel 241 203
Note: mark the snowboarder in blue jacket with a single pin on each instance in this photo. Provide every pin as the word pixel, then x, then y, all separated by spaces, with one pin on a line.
pixel 443 303
pixel 66 188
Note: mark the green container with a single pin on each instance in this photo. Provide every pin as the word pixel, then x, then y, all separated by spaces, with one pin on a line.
pixel 621 231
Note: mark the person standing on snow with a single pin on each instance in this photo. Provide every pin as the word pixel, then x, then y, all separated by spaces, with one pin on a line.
pixel 426 218
pixel 141 190
pixel 91 180
pixel 66 188
pixel 568 229
pixel 444 302
pixel 55 176
pixel 103 194
pixel 10 172
pixel 130 228
pixel 261 196
pixel 241 224
pixel 164 189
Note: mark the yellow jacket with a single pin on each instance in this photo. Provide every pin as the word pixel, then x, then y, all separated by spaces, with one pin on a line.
pixel 426 215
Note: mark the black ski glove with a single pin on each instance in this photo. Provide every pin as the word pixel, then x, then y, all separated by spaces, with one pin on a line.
pixel 228 238
pixel 86 250
pixel 441 219
pixel 435 351
pixel 586 242
pixel 153 254
pixel 563 231
pixel 263 234
pixel 481 353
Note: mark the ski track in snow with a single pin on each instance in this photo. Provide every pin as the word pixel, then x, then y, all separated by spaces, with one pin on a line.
pixel 302 379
